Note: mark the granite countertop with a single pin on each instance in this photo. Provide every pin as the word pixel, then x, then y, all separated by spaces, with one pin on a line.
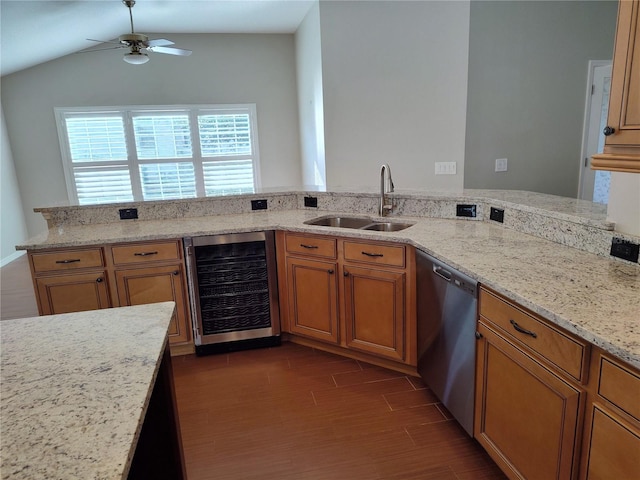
pixel 595 297
pixel 75 390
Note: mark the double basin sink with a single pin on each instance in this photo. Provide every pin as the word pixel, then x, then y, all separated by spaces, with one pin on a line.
pixel 360 223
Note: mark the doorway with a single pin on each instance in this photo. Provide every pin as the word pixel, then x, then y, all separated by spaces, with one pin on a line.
pixel 594 184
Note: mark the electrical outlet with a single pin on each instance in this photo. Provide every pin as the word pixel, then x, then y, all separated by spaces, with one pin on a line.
pixel 624 249
pixel 445 168
pixel 311 202
pixel 258 204
pixel 496 214
pixel 463 210
pixel 128 213
pixel 501 164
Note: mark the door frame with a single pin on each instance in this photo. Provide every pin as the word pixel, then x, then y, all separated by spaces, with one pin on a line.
pixel 593 64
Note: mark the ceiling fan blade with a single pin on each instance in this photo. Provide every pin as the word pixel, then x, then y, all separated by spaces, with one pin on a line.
pixel 160 42
pixel 103 41
pixel 101 49
pixel 170 51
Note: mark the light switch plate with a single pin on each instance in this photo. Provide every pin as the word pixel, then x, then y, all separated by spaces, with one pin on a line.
pixel 501 164
pixel 445 168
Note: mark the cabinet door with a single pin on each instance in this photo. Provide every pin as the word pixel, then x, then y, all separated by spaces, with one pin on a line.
pixel 140 286
pixel 614 447
pixel 526 416
pixel 313 298
pixel 72 293
pixel 624 106
pixel 374 311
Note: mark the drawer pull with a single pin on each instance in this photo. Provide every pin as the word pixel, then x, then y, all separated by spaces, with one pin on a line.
pixel 330 272
pixel 176 273
pixel 369 254
pixel 308 246
pixel 523 330
pixel 99 280
pixel 73 260
pixel 145 254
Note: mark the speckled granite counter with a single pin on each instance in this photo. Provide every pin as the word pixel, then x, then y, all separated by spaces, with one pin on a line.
pixel 75 390
pixel 550 255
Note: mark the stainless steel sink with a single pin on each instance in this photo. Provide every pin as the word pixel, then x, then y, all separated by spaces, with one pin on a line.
pixel 342 222
pixel 387 226
pixel 362 223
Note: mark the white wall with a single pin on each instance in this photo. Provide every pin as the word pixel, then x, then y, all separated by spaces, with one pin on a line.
pixel 528 65
pixel 310 98
pixel 224 68
pixel 624 202
pixel 395 87
pixel 12 228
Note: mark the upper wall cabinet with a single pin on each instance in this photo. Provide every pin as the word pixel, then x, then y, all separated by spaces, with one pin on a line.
pixel 622 144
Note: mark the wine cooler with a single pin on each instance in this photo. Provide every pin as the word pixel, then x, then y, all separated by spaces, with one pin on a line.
pixel 233 291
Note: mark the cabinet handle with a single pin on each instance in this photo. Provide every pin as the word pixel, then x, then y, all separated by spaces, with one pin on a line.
pixel 478 335
pixel 345 273
pixel 608 131
pixel 308 246
pixel 176 273
pixel 523 330
pixel 145 254
pixel 330 271
pixel 369 254
pixel 73 260
pixel 99 280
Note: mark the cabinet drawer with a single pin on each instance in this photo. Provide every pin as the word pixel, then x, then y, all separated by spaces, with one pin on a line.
pixel 146 252
pixel 565 352
pixel 374 253
pixel 620 386
pixel 311 245
pixel 67 260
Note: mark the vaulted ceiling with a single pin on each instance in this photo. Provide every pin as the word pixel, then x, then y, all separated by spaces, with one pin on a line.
pixel 38 31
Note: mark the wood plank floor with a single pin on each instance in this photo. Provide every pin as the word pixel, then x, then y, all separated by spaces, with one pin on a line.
pixel 292 412
pixel 17 298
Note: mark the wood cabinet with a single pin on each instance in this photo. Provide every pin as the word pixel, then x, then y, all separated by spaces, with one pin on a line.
pixel 622 143
pixel 528 408
pixel 72 292
pixel 313 298
pixel 70 280
pixel 353 293
pixel 612 424
pixel 150 272
pixel 79 279
pixel 374 298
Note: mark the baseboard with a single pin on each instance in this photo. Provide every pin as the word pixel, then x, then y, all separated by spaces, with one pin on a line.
pixel 10 258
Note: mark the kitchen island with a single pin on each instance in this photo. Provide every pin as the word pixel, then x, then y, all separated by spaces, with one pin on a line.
pixel 84 394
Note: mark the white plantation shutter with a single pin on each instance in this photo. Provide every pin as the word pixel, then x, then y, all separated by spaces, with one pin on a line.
pixel 224 177
pixel 164 181
pixel 148 153
pixel 225 142
pixel 98 151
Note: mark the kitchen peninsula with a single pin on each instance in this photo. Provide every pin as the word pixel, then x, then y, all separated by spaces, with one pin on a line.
pixel 550 254
pixel 84 394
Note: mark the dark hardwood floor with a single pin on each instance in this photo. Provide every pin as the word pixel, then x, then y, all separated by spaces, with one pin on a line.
pixel 292 412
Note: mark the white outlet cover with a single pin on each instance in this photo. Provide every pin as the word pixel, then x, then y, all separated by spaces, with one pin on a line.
pixel 501 164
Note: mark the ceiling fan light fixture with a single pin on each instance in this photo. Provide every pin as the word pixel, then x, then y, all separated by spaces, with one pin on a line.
pixel 136 58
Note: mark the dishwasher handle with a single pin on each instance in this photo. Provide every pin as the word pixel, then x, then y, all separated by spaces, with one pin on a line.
pixel 441 272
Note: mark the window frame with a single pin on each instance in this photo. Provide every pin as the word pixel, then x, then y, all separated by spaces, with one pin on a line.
pixel 132 163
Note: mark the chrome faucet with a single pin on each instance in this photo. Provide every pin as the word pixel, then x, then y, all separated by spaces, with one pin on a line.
pixel 386 186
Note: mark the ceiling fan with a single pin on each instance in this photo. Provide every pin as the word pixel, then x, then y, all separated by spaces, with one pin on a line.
pixel 139 44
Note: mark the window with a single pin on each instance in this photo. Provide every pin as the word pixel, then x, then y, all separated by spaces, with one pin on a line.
pixel 158 153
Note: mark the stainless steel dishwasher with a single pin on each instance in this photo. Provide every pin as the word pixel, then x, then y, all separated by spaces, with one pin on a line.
pixel 447 314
